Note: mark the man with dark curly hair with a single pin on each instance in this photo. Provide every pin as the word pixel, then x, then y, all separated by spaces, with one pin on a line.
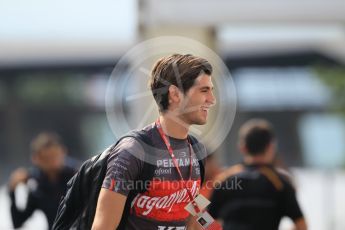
pixel 182 88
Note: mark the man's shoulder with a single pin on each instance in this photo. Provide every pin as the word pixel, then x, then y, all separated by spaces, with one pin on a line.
pixel 280 178
pixel 134 143
pixel 127 145
pixel 229 173
pixel 138 136
pixel 286 177
pixel 127 141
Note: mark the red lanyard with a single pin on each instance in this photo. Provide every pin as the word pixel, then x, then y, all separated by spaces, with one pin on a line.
pixel 171 152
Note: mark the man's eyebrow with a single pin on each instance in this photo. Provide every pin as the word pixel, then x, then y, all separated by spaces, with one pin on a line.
pixel 206 87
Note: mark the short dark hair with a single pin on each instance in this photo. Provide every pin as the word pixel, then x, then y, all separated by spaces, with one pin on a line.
pixel 256 135
pixel 44 140
pixel 179 70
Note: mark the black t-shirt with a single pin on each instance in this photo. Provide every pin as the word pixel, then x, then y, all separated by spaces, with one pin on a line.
pixel 162 205
pixel 254 198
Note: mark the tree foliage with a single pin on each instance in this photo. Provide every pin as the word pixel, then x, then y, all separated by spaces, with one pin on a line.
pixel 334 78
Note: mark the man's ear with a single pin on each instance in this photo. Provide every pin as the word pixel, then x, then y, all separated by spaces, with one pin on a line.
pixel 174 94
pixel 271 148
pixel 242 147
pixel 35 159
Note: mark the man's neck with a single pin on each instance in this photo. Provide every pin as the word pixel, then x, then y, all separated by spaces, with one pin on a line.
pixel 174 127
pixel 52 176
pixel 261 159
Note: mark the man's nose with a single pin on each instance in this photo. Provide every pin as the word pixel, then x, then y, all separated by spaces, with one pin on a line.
pixel 212 99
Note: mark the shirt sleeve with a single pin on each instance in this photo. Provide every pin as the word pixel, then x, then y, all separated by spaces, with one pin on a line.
pixel 291 207
pixel 124 165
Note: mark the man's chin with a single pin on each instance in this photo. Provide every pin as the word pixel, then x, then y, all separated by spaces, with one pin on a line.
pixel 200 122
pixel 197 120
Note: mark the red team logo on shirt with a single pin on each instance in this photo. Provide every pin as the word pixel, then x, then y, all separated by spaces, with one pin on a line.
pixel 164 200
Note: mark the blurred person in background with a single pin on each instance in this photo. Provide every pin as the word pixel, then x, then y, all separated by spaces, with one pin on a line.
pixel 46 180
pixel 212 169
pixel 255 195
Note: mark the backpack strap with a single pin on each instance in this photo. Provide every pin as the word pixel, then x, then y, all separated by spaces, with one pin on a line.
pixel 272 177
pixel 99 162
